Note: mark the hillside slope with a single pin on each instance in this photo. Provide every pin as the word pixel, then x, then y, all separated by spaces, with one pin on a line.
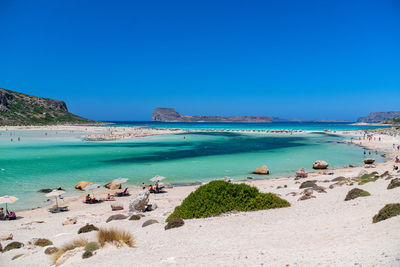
pixel 376 117
pixel 21 109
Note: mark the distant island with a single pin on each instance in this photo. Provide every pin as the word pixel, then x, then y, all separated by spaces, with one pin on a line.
pixel 21 109
pixel 170 115
pixel 381 117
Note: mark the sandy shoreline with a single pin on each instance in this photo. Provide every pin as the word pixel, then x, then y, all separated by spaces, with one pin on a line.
pixel 323 231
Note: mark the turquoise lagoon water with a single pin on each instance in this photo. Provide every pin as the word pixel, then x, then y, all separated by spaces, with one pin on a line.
pixel 62 158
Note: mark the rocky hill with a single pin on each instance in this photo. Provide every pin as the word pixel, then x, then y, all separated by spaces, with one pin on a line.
pixel 21 109
pixel 376 117
pixel 170 115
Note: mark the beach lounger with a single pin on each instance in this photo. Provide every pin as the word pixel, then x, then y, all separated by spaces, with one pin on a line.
pixel 123 194
pixel 59 209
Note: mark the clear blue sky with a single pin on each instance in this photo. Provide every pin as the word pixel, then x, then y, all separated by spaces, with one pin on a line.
pixel 117 60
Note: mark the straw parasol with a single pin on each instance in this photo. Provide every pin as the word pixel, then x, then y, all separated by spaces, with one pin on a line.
pixel 157 178
pixel 91 187
pixel 55 193
pixel 7 200
pixel 119 181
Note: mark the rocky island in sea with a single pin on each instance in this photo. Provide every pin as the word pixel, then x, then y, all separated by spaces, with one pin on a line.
pixel 170 115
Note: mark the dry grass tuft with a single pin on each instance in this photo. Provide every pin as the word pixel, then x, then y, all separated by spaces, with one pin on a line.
pixel 116 237
pixel 81 242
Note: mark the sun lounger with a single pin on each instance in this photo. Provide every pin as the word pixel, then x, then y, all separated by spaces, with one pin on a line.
pixel 123 194
pixel 11 216
pixel 58 209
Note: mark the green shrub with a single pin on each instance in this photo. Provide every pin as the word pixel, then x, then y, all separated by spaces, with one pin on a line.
pixel 149 222
pixel 174 223
pixel 17 256
pixel 87 228
pixel 13 245
pixel 307 184
pixel 389 211
pixel 43 242
pixel 218 197
pixel 135 217
pixel 366 178
pixel 394 183
pixel 50 250
pixel 92 246
pixel 355 193
pixel 87 254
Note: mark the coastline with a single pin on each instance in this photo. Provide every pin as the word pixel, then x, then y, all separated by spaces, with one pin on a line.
pixel 311 228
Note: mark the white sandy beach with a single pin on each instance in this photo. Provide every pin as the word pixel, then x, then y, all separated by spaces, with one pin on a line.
pixel 322 231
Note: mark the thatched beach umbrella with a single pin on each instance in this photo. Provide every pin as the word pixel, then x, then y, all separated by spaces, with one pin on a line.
pixel 91 187
pixel 157 178
pixel 7 200
pixel 55 193
pixel 119 181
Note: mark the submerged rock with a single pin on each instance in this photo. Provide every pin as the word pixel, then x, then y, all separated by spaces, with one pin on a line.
pixel 320 165
pixel 263 170
pixel 81 185
pixel 112 186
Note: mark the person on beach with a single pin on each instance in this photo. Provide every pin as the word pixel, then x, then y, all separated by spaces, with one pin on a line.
pixel 397 159
pixel 395 168
pixel 151 189
pixel 143 186
pixel 2 214
pixel 88 198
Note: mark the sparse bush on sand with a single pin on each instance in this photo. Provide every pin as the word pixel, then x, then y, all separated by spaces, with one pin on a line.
pixel 43 242
pixel 87 254
pixel 115 237
pixel 68 246
pixel 394 183
pixel 92 246
pixel 389 211
pixel 87 228
pixel 355 193
pixel 174 223
pixel 218 197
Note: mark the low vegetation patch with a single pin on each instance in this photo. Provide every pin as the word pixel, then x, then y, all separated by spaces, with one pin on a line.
pixel 149 222
pixel 307 184
pixel 115 237
pixel 13 245
pixel 219 197
pixel 366 178
pixel 87 228
pixel 355 193
pixel 135 217
pixel 87 254
pixel 17 256
pixel 389 211
pixel 50 250
pixel 174 223
pixel 394 183
pixel 68 246
pixel 43 242
pixel 116 217
pixel 92 246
